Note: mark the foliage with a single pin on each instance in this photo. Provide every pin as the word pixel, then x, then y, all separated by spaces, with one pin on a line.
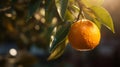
pixel 91 9
pixel 94 12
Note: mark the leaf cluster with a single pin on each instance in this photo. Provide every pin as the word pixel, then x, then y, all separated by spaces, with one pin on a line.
pixel 73 10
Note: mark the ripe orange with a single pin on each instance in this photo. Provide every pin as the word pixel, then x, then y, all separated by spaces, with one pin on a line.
pixel 84 35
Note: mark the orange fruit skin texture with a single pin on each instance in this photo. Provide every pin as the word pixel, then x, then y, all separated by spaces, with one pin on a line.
pixel 84 35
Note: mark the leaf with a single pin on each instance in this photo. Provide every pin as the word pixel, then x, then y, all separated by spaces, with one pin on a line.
pixel 32 9
pixel 58 51
pixel 50 11
pixel 103 16
pixel 90 3
pixel 61 7
pixel 75 8
pixel 97 23
pixel 60 35
pixel 89 12
pixel 69 16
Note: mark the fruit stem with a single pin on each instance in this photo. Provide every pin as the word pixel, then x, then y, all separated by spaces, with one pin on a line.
pixel 81 14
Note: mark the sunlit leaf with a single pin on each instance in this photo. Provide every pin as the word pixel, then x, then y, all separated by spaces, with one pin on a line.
pixel 103 16
pixel 97 23
pixel 61 7
pixel 58 51
pixel 90 3
pixel 69 16
pixel 89 12
pixel 60 35
pixel 75 7
pixel 32 9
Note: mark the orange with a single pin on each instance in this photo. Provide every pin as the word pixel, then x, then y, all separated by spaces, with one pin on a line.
pixel 84 35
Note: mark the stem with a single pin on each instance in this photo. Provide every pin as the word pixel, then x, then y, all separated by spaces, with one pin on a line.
pixel 81 14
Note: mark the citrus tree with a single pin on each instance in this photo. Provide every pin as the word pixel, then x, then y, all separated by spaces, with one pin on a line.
pixel 55 23
pixel 78 22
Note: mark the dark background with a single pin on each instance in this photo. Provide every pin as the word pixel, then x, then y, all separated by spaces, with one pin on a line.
pixel 30 41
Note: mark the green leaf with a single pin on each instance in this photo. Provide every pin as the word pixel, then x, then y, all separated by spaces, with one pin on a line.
pixel 58 51
pixel 89 12
pixel 59 35
pixel 97 23
pixel 32 9
pixel 61 7
pixel 75 8
pixel 50 11
pixel 90 3
pixel 103 16
pixel 69 16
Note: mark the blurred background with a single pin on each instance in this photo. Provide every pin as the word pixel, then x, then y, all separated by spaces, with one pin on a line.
pixel 25 44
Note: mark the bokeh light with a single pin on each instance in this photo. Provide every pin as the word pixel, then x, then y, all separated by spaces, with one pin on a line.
pixel 13 52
